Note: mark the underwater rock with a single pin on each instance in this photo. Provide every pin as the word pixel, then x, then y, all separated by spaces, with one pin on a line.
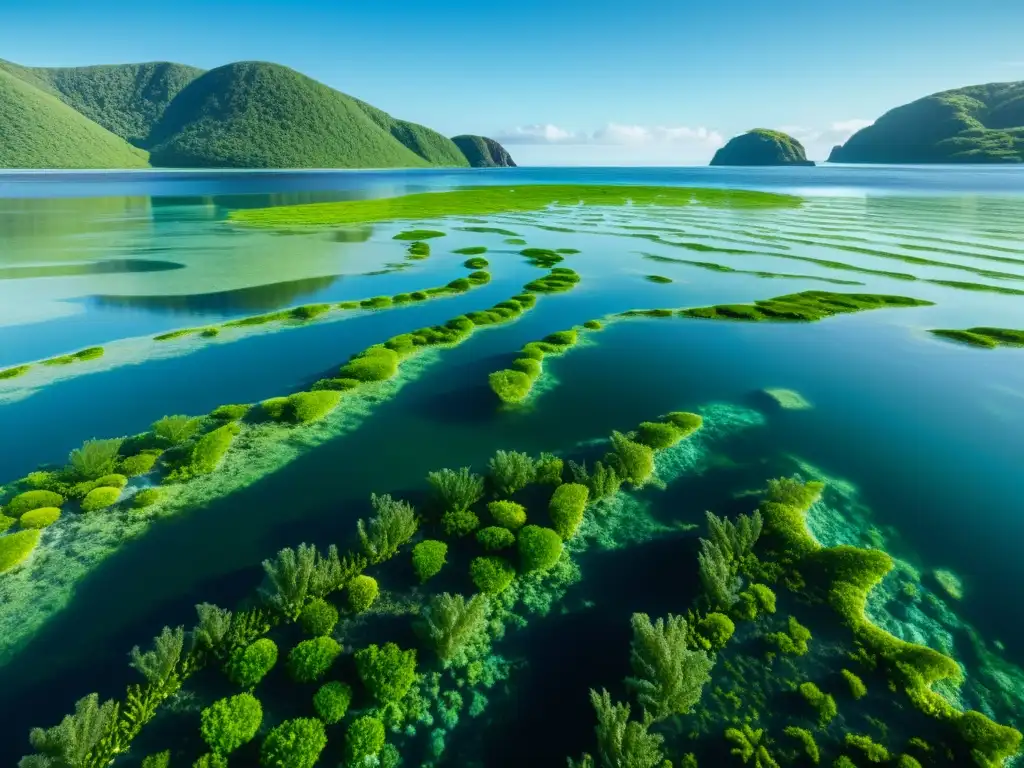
pixel 950 583
pixel 788 399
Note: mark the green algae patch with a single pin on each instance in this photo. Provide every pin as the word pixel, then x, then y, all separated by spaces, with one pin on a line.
pixel 90 353
pixel 787 399
pixel 715 267
pixel 560 279
pixel 806 307
pixel 473 250
pixel 181 333
pixel 513 385
pixel 15 372
pixel 978 287
pixel 658 279
pixel 497 200
pixel 418 234
pixel 16 547
pixel 987 338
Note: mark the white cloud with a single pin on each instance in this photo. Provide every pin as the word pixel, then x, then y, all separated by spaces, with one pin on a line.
pixel 836 133
pixel 615 134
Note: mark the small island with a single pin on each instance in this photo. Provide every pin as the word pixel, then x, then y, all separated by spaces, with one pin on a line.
pixel 762 147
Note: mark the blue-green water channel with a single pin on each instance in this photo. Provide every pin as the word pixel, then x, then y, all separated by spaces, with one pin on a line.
pixel 929 434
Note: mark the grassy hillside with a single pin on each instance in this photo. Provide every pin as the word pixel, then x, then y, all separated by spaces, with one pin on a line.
pixel 483 152
pixel 126 99
pixel 428 144
pixel 762 147
pixel 259 115
pixel 977 124
pixel 37 130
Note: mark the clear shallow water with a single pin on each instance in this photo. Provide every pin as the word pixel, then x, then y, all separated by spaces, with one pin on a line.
pixel 929 432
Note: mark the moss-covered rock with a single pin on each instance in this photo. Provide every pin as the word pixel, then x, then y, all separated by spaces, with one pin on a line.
pixel 762 147
pixel 15 547
pixel 40 518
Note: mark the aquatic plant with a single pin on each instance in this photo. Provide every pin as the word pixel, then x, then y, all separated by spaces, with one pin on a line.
pixel 548 469
pixel 100 498
pixel 330 572
pixel 76 739
pixel 857 688
pixel 14 372
pixel 40 518
pixel 823 703
pixel 489 200
pixel 633 462
pixel 491 574
pixel 229 723
pixel 658 279
pixel 807 307
pixel 139 464
pixel 494 538
pixel 249 664
pixel 418 234
pixel 806 739
pixel 331 701
pixel 669 677
pixel 510 386
pixel 602 483
pixel 15 547
pixel 210 449
pixel 146 498
pixel 175 430
pixel 454 626
pixel 95 458
pixel 306 407
pixel 558 280
pixel 511 471
pixel 428 558
pixel 160 665
pixel 459 522
pixel 213 627
pixel 716 628
pixel 541 257
pixel 29 500
pixel 735 540
pixel 793 642
pixel 566 508
pixel 294 744
pixel 311 659
pixel 373 364
pixel 211 760
pixel 159 760
pixel 9 522
pixel 364 740
pixel 393 526
pixel 989 338
pixel 456 490
pixel 621 742
pixel 750 744
pixel 319 617
pixel 289 575
pixel 362 591
pixel 539 548
pixel 230 412
pixel 873 752
pixel 508 514
pixel 90 353
pixel 987 740
pixel 387 671
pixel 717 577
pixel 477 262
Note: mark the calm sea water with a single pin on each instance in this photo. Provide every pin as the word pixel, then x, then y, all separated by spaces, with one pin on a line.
pixel 932 434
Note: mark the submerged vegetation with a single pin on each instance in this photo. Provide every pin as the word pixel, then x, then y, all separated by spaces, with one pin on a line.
pixel 806 307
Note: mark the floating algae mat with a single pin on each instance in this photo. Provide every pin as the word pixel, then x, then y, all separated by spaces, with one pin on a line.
pixel 479 486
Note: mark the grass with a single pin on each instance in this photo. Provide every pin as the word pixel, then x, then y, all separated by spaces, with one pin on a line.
pixel 496 200
pixel 808 306
pixel 989 338
pixel 90 353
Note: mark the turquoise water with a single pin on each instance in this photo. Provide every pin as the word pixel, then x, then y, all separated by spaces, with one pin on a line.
pixel 928 434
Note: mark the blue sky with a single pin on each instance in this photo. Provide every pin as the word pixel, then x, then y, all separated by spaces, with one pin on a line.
pixel 565 81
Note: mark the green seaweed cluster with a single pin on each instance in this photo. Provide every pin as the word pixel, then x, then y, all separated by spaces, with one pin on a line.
pixel 985 337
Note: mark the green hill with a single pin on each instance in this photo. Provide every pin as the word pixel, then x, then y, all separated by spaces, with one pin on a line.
pixel 761 147
pixel 127 99
pixel 258 115
pixel 428 144
pixel 483 152
pixel 37 130
pixel 977 124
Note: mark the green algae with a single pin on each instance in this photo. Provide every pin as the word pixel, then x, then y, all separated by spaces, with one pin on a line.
pixel 515 241
pixel 657 279
pixel 988 338
pixel 497 200
pixel 90 353
pixel 977 287
pixel 712 266
pixel 493 231
pixel 808 306
pixel 418 234
pixel 473 250
pixel 14 372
